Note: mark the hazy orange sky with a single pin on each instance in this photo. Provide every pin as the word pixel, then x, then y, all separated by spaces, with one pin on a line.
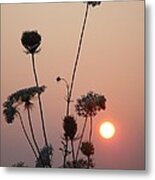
pixel 111 63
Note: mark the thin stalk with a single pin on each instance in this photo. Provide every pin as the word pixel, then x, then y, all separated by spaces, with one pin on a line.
pixel 40 103
pixel 91 128
pixel 33 136
pixel 73 152
pixel 88 158
pixel 66 152
pixel 74 72
pixel 77 57
pixel 26 135
pixel 31 129
pixel 82 134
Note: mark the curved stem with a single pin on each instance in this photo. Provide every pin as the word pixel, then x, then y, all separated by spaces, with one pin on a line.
pixel 74 72
pixel 40 104
pixel 33 136
pixel 26 135
pixel 77 57
pixel 91 129
pixel 31 129
pixel 82 134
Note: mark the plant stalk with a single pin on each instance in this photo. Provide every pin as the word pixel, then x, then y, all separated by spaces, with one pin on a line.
pixel 77 58
pixel 40 103
pixel 91 129
pixel 82 134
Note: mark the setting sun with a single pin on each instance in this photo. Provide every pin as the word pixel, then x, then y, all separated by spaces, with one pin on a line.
pixel 107 130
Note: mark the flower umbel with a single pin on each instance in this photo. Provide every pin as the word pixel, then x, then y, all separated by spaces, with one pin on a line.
pixel 87 149
pixel 31 40
pixel 9 112
pixel 25 95
pixel 89 104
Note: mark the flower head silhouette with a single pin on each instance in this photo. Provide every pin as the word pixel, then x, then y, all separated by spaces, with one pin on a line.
pixel 9 112
pixel 23 96
pixel 94 3
pixel 87 149
pixel 46 154
pixel 89 104
pixel 70 127
pixel 31 41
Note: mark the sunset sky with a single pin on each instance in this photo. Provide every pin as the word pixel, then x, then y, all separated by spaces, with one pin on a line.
pixel 111 63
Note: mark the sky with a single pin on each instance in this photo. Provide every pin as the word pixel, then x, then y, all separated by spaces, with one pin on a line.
pixel 111 63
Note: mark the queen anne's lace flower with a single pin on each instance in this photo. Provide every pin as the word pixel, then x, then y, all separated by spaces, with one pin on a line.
pixel 87 149
pixel 89 104
pixel 17 98
pixel 31 40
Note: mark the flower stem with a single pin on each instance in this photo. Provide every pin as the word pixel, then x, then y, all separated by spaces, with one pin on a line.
pixel 40 103
pixel 91 129
pixel 82 134
pixel 74 72
pixel 77 57
pixel 31 129
pixel 73 153
pixel 26 135
pixel 32 134
pixel 66 152
pixel 88 158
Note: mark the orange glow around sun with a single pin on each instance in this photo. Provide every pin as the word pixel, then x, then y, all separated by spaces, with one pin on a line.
pixel 107 130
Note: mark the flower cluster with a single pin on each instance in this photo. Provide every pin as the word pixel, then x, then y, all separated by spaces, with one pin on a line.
pixel 89 104
pixel 81 163
pixel 9 112
pixel 15 99
pixel 87 149
pixel 46 154
pixel 70 127
pixel 31 41
pixel 94 3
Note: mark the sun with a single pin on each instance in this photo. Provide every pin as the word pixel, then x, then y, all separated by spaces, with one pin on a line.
pixel 107 130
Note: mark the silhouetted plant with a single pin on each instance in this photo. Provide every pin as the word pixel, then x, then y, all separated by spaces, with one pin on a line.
pixel 46 154
pixel 23 96
pixel 94 3
pixel 80 164
pixel 70 86
pixel 87 149
pixel 70 128
pixel 87 106
pixel 31 40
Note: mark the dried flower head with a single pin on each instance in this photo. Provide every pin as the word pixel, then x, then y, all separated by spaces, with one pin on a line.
pixel 17 98
pixel 70 127
pixel 31 40
pixel 58 79
pixel 9 112
pixel 89 104
pixel 46 154
pixel 87 149
pixel 94 3
pixel 25 95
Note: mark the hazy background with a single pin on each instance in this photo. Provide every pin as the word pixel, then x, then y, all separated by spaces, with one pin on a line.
pixel 111 63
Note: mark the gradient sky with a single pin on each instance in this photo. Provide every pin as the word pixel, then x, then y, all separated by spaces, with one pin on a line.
pixel 111 63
